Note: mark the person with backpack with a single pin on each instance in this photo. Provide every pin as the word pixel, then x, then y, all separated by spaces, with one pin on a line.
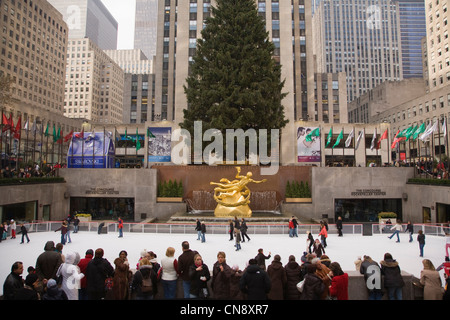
pixel 144 281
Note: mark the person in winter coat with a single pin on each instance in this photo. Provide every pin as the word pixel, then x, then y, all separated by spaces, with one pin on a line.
pixel 203 231
pixel 339 226
pixel 244 229
pixel 235 278
pixel 199 275
pixel 220 283
pixel 431 281
pixel 421 240
pixel 261 258
pixel 323 234
pixel 445 265
pixel 313 287
pixel 29 289
pixel 48 262
pixel 98 269
pixel 372 277
pixel 393 280
pixel 71 275
pixel 293 276
pixel 231 230
pixel 121 278
pixel 339 282
pixel 237 234
pixel 13 281
pixel 24 232
pixel 397 228
pixel 325 260
pixel 198 228
pixel 169 266
pixel 144 281
pixel 185 260
pixel 309 242
pixel 63 228
pixel 410 229
pixel 255 282
pixel 318 248
pixel 82 294
pixel 278 278
pixel 53 292
pixel 322 272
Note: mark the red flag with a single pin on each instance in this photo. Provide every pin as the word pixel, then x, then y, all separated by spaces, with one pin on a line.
pixel 18 130
pixel 384 136
pixel 5 123
pixel 397 140
pixel 68 137
pixel 80 135
pixel 60 136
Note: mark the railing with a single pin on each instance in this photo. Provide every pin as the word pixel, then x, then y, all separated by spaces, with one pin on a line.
pixel 256 228
pixel 189 228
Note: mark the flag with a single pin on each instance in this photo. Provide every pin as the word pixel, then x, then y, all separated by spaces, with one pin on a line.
pixel 372 144
pixel 397 139
pixel 59 137
pixel 314 133
pixel 55 137
pixel 429 131
pixel 339 138
pixel 384 136
pixel 330 135
pixel 46 131
pixel 411 132
pixel 26 127
pixel 419 131
pixel 349 139
pixel 5 123
pixel 18 129
pixel 34 127
pixel 138 143
pixel 358 140
pixel 403 133
pixel 444 128
pixel 68 137
pixel 80 135
pixel 150 133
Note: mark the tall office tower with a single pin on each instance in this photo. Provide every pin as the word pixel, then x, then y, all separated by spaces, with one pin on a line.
pixel 94 83
pixel 139 85
pixel 34 43
pixel 145 27
pixel 89 19
pixel 361 38
pixel 438 43
pixel 411 14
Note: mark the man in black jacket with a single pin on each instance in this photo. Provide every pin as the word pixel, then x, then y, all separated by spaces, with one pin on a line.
pixel 48 262
pixel 255 282
pixel 185 260
pixel 98 269
pixel 13 281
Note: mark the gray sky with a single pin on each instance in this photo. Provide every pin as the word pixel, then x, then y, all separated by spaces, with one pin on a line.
pixel 123 11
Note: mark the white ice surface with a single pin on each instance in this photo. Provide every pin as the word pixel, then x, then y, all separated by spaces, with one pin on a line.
pixel 344 249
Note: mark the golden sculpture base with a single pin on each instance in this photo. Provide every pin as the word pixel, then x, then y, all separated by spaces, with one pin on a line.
pixel 240 211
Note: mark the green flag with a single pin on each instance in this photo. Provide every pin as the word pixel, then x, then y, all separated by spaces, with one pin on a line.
pixel 410 133
pixel 403 133
pixel 330 135
pixel 55 137
pixel 138 143
pixel 46 131
pixel 314 133
pixel 150 134
pixel 339 138
pixel 419 131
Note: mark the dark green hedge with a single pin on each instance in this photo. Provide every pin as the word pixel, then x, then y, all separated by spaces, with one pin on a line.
pixel 431 182
pixel 33 180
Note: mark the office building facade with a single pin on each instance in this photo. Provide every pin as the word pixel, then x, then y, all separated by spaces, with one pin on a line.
pixel 89 19
pixel 145 27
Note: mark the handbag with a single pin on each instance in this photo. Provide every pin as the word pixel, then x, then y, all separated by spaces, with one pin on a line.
pixel 300 285
pixel 108 283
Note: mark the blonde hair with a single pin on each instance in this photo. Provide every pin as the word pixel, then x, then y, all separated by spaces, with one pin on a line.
pixel 144 262
pixel 170 252
pixel 427 264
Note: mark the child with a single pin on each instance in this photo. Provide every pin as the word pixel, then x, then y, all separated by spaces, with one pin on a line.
pixel 237 235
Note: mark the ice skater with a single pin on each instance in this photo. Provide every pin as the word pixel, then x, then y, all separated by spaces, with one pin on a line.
pixel 24 232
pixel 421 240
pixel 244 229
pixel 397 228
pixel 237 236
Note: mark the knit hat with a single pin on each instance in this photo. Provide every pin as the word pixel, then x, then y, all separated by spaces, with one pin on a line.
pixel 30 279
pixel 51 283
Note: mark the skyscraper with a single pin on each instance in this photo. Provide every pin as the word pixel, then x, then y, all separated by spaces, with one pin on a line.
pixel 411 14
pixel 361 38
pixel 145 27
pixel 89 19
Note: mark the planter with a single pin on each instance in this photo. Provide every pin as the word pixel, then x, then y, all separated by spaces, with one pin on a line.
pixel 298 200
pixel 169 199
pixel 84 219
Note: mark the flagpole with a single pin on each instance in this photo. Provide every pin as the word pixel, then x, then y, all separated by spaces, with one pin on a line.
pixel 93 148
pixel 439 135
pixel 354 148
pixel 1 144
pixel 446 142
pixel 103 147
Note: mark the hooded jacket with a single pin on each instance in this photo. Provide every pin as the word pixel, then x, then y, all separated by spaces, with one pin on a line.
pixel 392 274
pixel 313 287
pixel 71 275
pixel 293 276
pixel 48 262
pixel 278 280
pixel 339 287
pixel 255 282
pixel 83 265
pixel 97 271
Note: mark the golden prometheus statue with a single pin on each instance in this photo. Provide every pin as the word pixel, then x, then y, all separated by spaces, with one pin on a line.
pixel 233 197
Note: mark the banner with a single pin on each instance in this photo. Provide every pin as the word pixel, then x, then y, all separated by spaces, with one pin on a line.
pixel 308 150
pixel 91 150
pixel 159 144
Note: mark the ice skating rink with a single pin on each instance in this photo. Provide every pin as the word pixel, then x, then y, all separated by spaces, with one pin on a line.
pixel 344 249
